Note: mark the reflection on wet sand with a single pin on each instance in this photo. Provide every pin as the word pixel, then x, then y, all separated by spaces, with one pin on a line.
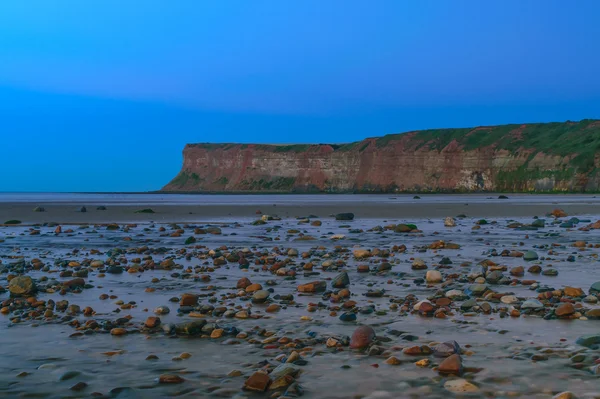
pixel 495 307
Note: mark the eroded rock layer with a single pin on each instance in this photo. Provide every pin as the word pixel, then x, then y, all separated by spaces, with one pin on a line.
pixel 545 157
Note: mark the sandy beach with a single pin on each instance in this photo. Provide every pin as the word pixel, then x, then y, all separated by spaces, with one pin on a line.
pixel 167 209
pixel 400 302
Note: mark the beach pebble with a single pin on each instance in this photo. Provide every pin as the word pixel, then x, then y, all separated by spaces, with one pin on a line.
pixel 451 365
pixel 260 296
pixel 161 310
pixel 565 309
pixel 530 256
pixel 446 349
pixel 22 286
pixel 449 222
pixel 257 382
pixel 341 280
pixel 419 264
pixel 362 337
pixel 460 385
pixel 433 277
pixel 509 299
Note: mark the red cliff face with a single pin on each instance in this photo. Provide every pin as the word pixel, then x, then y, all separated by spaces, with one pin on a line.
pixel 460 160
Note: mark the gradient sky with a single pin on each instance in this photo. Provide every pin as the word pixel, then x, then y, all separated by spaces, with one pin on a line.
pixel 103 95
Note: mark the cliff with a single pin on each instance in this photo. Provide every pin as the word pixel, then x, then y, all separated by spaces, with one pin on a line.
pixel 549 157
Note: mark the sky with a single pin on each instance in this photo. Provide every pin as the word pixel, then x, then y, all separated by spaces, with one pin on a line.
pixel 103 95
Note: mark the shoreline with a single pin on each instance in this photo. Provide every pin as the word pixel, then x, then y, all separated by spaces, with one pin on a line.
pixel 119 213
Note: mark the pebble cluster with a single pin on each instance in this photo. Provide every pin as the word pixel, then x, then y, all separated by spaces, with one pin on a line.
pixel 247 283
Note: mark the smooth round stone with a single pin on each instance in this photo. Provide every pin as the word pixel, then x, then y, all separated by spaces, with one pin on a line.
pixel 293 252
pixel 114 270
pixel 509 299
pixel 453 294
pixel 418 304
pixel 517 271
pixel 566 309
pixel 494 277
pixel 550 272
pixel 433 277
pixel 476 289
pixel 367 310
pixel 595 288
pixel 590 299
pixel 348 317
pixel 21 285
pixel 243 283
pixel 260 296
pixel 588 340
pixel 530 255
pixel 362 337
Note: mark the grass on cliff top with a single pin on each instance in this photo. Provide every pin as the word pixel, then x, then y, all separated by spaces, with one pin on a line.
pixel 581 139
pixel 557 138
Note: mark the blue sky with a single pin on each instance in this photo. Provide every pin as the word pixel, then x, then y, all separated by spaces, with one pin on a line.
pixel 103 95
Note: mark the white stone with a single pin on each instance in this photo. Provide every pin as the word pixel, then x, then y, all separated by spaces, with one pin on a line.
pixel 454 294
pixel 449 222
pixel 509 299
pixel 433 277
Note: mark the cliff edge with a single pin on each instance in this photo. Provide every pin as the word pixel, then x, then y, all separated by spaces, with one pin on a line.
pixel 541 157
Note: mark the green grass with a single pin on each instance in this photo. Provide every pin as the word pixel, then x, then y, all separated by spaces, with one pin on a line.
pixel 292 148
pixel 560 138
pixel 184 177
pixel 181 179
pixel 556 138
pixel 273 184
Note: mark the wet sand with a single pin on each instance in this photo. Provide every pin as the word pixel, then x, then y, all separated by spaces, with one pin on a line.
pixel 512 343
pixel 118 213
